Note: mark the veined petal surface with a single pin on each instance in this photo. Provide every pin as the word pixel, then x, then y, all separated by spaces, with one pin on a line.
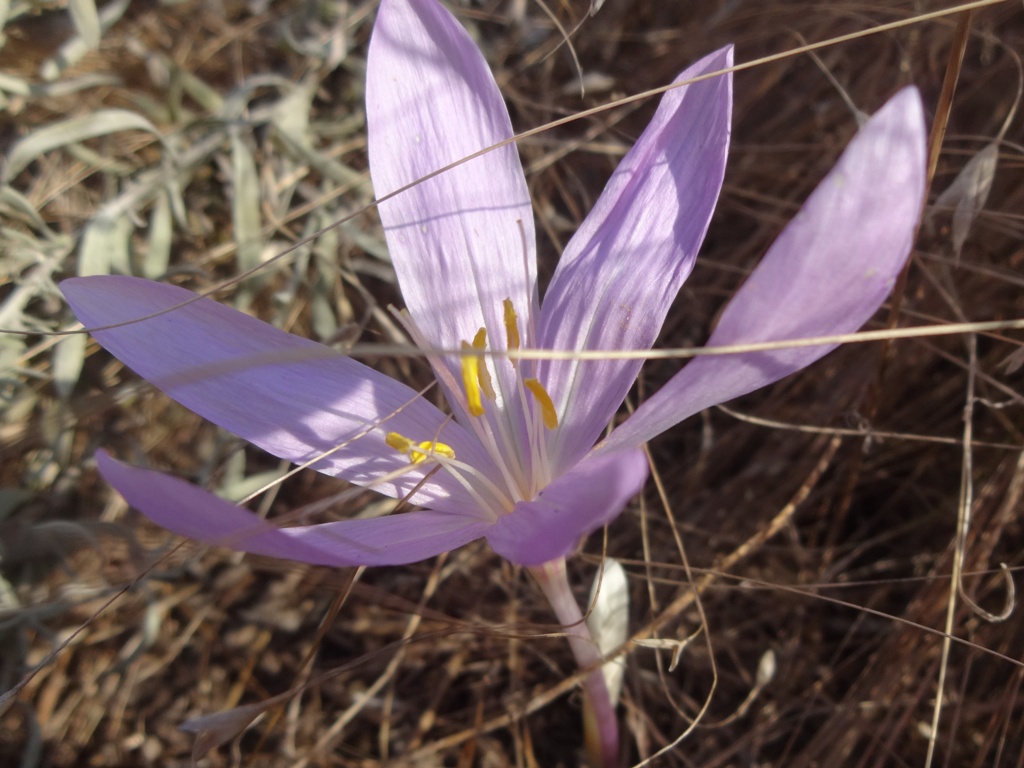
pixel 591 495
pixel 623 268
pixel 827 273
pixel 461 242
pixel 190 511
pixel 290 396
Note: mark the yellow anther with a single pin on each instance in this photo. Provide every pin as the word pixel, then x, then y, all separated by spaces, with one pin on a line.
pixel 428 449
pixel 398 442
pixel 476 379
pixel 471 381
pixel 480 340
pixel 547 408
pixel 483 376
pixel 511 324
pixel 418 452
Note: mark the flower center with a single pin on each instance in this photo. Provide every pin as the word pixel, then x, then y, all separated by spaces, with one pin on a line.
pixel 508 409
pixel 511 427
pixel 476 378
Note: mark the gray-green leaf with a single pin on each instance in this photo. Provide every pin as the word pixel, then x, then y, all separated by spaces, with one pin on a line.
pixel 71 131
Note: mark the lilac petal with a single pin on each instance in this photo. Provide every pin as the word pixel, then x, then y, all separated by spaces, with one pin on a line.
pixel 290 396
pixel 622 270
pixel 462 242
pixel 591 495
pixel 827 273
pixel 194 513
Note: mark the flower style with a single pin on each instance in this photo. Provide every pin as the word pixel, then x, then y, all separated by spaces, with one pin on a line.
pixel 515 461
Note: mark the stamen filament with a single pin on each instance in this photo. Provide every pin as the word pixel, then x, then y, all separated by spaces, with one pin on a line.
pixel 456 468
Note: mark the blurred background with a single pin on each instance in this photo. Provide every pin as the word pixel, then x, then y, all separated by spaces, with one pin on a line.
pixel 191 141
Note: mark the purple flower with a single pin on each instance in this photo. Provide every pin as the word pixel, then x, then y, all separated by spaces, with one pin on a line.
pixel 515 462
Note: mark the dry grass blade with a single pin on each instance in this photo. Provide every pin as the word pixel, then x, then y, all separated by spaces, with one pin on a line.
pixel 86 20
pixel 969 192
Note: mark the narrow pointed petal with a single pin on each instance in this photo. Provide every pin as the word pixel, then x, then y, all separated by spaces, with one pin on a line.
pixel 462 241
pixel 827 273
pixel 591 495
pixel 622 270
pixel 190 511
pixel 290 396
